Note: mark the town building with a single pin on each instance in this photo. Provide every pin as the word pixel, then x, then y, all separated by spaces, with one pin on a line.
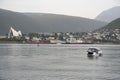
pixel 14 33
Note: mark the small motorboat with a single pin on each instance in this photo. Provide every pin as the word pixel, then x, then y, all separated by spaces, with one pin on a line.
pixel 94 52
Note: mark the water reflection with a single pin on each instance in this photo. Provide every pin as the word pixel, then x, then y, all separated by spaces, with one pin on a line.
pixel 93 57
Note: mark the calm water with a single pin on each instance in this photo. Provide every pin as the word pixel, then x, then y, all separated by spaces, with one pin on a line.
pixel 58 62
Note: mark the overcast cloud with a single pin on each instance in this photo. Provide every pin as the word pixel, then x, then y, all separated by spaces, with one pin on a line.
pixel 82 8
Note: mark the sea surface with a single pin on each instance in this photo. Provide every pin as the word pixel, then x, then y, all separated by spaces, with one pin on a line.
pixel 58 62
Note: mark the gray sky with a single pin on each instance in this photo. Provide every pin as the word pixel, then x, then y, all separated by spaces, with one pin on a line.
pixel 82 8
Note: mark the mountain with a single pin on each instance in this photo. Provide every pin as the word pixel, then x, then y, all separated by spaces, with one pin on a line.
pixel 18 21
pixel 63 23
pixel 115 24
pixel 109 15
pixel 41 22
pixel 109 33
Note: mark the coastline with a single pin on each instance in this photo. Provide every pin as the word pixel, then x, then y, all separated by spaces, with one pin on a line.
pixel 30 42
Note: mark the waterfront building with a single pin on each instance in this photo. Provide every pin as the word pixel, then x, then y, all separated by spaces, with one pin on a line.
pixel 14 33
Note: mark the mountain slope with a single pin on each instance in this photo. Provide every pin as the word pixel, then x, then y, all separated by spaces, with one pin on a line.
pixel 109 15
pixel 113 25
pixel 17 21
pixel 65 23
pixel 110 32
pixel 38 22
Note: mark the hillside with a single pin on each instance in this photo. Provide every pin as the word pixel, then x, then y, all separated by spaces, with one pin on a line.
pixel 40 22
pixel 109 33
pixel 17 21
pixel 112 25
pixel 63 23
pixel 109 15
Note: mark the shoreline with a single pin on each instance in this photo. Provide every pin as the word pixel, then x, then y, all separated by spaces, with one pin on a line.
pixel 25 42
